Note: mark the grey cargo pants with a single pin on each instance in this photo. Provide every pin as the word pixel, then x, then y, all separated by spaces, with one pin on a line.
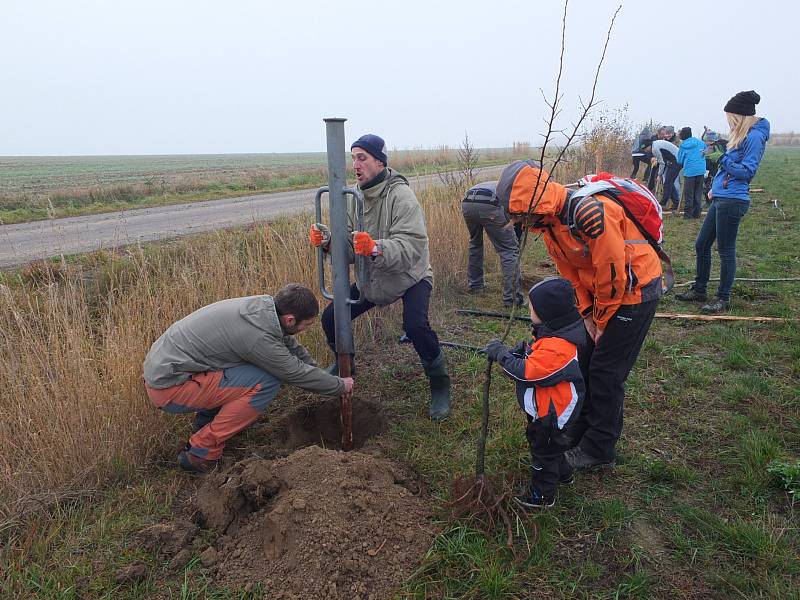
pixel 480 216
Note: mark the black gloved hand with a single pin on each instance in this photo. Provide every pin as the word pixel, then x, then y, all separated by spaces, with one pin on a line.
pixel 494 349
pixel 519 349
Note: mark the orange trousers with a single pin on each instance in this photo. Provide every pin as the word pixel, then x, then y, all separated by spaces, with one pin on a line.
pixel 232 399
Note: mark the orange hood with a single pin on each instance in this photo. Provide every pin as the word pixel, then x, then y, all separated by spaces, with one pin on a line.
pixel 515 190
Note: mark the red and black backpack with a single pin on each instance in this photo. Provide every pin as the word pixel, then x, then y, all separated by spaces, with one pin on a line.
pixel 639 204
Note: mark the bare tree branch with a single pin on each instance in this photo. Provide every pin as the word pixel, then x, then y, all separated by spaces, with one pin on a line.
pixel 555 109
pixel 592 103
pixel 586 108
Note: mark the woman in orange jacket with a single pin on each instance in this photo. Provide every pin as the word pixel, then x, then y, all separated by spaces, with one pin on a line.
pixel 617 279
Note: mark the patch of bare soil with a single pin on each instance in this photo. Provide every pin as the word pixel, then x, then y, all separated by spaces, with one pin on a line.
pixel 674 581
pixel 312 523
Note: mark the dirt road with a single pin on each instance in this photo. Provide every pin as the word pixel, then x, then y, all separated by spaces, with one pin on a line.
pixel 24 242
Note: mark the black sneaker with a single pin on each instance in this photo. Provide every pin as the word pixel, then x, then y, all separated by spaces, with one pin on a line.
pixel 718 305
pixel 691 295
pixel 580 460
pixel 532 499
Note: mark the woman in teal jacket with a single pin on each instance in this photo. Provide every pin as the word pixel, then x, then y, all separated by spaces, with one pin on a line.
pixel 730 199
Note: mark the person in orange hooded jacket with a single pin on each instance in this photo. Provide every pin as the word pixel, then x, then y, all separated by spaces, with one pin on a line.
pixel 617 279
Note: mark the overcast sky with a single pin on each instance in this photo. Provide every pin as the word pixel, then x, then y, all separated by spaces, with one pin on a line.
pixel 202 76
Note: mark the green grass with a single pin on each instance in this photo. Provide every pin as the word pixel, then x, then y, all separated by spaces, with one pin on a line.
pixel 702 505
pixel 695 509
pixel 76 552
pixel 36 188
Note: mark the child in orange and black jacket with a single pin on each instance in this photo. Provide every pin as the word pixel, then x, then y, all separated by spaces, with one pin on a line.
pixel 550 387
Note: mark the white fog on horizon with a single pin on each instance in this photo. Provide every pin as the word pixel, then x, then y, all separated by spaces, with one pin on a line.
pixel 149 77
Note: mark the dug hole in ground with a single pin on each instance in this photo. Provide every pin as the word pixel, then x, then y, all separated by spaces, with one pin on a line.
pixel 302 518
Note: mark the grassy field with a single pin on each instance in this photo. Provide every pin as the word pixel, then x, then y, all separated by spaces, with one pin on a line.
pixel 35 188
pixel 699 506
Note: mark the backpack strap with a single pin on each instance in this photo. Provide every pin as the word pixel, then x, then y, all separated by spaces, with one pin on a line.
pixel 669 274
pixel 592 220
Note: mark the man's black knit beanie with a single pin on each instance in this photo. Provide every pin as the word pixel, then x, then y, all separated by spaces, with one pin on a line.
pixel 374 146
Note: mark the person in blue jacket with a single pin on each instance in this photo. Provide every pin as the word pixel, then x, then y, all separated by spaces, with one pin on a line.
pixel 730 199
pixel 690 157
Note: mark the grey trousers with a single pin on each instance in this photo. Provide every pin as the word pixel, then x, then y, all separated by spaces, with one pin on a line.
pixel 479 217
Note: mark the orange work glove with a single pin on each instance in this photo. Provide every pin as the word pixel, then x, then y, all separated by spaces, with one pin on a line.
pixel 364 245
pixel 319 234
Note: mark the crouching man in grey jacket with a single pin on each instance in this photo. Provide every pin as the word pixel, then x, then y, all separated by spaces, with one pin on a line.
pixel 226 361
pixel 395 240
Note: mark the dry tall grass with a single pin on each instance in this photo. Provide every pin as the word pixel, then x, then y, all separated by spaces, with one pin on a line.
pixel 73 338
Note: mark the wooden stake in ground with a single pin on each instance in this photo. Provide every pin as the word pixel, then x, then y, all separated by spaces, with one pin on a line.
pixel 690 317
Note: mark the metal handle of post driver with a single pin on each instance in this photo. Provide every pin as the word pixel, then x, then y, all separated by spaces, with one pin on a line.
pixel 360 261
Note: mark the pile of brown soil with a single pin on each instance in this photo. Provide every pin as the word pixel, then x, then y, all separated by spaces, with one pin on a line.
pixel 316 524
pixel 304 520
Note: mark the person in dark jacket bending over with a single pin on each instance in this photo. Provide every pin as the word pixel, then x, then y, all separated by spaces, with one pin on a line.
pixel 395 241
pixel 226 362
pixel 665 154
pixel 550 387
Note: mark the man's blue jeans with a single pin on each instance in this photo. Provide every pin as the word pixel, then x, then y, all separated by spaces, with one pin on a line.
pixel 722 225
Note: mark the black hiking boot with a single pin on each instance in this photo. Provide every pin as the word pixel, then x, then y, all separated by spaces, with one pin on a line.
pixel 718 305
pixel 691 295
pixel 580 460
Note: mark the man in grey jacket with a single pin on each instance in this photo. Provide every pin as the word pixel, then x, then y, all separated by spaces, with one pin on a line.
pixel 395 240
pixel 226 361
pixel 482 212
